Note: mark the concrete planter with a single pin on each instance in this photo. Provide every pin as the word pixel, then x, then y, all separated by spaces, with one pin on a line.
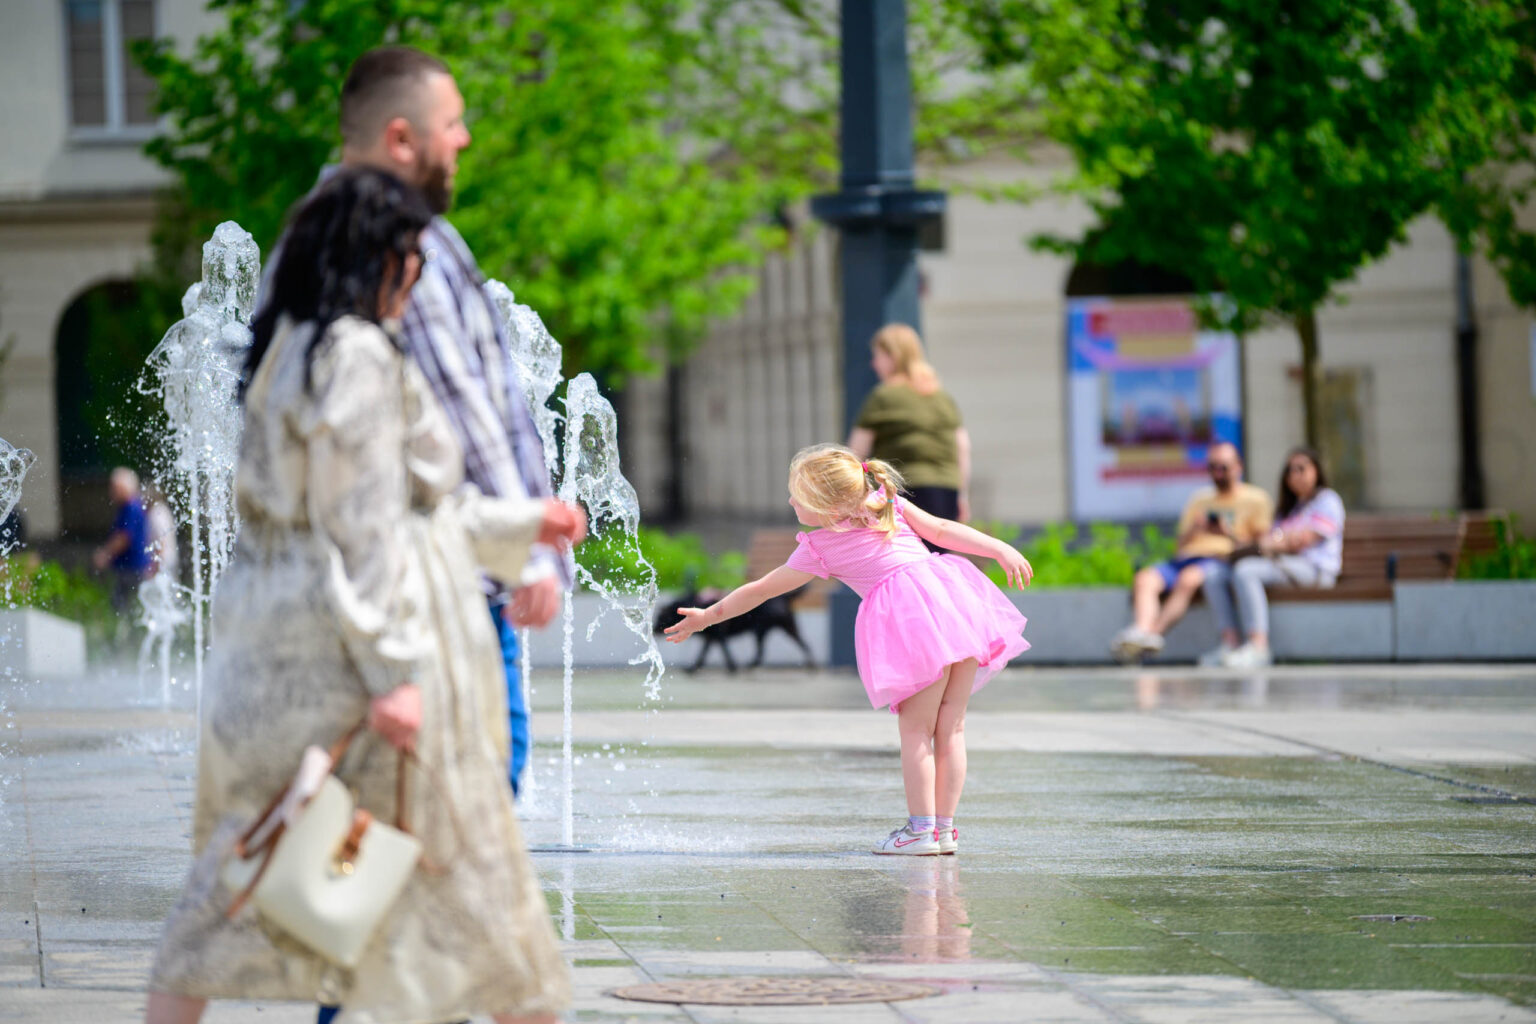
pixel 34 643
pixel 1468 620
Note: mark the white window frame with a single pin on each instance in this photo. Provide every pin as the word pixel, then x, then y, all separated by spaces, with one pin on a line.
pixel 115 129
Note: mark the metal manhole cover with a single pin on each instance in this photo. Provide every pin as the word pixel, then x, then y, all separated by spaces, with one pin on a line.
pixel 775 991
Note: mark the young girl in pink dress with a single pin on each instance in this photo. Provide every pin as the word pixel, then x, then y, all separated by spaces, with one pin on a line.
pixel 931 629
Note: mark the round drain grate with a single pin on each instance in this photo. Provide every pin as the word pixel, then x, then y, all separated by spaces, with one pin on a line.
pixel 775 991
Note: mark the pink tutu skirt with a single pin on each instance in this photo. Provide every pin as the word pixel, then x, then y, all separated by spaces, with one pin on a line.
pixel 927 615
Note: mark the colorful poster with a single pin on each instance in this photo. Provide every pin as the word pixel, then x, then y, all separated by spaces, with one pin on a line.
pixel 1148 393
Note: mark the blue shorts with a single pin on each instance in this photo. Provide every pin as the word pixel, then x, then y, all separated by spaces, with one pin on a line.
pixel 1170 570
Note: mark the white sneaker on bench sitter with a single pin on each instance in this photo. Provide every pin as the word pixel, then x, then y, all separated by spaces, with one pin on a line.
pixel 1130 644
pixel 1249 656
pixel 1216 656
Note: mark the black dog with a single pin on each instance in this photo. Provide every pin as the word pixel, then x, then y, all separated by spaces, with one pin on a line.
pixel 772 613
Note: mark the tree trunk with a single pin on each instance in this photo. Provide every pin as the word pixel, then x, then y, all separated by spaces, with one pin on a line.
pixel 1311 378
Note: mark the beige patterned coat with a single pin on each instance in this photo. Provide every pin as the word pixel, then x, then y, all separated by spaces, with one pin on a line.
pixel 356 571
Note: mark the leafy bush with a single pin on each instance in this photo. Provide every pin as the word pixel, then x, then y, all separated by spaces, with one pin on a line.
pixel 68 593
pixel 1062 557
pixel 1513 559
pixel 681 560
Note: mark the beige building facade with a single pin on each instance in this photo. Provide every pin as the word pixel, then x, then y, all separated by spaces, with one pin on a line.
pixel 76 196
pixel 994 321
pixel 76 210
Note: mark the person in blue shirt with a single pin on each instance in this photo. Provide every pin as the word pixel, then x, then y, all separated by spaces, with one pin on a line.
pixel 126 551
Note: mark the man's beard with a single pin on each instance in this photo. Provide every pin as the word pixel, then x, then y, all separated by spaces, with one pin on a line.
pixel 435 186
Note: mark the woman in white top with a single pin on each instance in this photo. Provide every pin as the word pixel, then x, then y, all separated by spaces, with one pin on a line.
pixel 1304 549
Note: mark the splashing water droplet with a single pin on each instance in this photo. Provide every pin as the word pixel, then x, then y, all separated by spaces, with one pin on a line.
pixel 14 463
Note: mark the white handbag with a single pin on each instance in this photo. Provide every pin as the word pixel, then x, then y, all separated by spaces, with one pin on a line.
pixel 318 867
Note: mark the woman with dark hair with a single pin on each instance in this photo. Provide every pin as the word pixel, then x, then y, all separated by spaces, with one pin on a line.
pixel 353 597
pixel 1304 549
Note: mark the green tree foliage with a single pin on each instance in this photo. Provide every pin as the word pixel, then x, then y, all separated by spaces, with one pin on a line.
pixel 771 71
pixel 576 190
pixel 1269 151
pixel 629 156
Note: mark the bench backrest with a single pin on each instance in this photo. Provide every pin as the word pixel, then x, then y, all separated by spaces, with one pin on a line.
pixel 770 549
pixel 1405 547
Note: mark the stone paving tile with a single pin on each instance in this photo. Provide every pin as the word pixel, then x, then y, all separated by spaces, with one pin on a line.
pixel 1196 1000
pixel 1037 1006
pixel 850 1013
pixel 79 1006
pixel 674 964
pixel 1368 1007
pixel 963 974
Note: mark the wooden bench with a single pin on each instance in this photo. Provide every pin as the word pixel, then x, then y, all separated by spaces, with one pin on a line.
pixel 770 549
pixel 1381 548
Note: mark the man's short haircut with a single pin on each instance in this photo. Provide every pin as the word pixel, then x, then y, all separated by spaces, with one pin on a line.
pixel 383 84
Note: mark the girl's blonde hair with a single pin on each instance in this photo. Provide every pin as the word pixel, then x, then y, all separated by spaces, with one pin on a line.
pixel 829 481
pixel 905 348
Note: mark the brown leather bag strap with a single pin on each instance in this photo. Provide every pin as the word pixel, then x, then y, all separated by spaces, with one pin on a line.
pixel 244 895
pixel 339 748
pixel 402 819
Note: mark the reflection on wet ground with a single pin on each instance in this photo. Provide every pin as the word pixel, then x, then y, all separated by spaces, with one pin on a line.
pixel 1325 845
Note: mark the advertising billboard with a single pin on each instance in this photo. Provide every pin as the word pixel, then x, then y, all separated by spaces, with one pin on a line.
pixel 1148 392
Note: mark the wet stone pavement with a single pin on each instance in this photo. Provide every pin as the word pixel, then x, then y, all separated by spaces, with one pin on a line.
pixel 1317 844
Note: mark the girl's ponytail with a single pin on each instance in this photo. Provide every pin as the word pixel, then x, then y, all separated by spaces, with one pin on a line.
pixel 883 483
pixel 831 483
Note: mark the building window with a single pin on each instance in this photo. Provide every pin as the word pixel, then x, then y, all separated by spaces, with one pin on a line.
pixel 108 93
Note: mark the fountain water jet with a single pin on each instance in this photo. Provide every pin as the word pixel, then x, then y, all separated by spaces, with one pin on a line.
pixel 588 471
pixel 14 463
pixel 195 370
pixel 591 476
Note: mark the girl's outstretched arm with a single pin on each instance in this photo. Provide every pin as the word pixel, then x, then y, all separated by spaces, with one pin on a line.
pixel 743 599
pixel 946 533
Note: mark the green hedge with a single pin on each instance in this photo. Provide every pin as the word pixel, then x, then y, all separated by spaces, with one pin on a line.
pixel 1063 556
pixel 1513 559
pixel 681 560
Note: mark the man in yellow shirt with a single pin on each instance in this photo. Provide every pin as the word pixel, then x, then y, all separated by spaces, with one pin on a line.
pixel 1216 520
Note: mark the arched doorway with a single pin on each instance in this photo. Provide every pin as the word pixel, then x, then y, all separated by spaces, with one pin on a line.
pixel 103 337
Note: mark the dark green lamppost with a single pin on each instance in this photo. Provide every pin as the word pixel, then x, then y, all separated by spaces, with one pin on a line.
pixel 878 212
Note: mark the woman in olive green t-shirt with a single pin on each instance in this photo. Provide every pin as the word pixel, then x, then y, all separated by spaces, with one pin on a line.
pixel 912 423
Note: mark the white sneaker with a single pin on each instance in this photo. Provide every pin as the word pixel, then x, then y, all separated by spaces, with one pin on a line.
pixel 949 840
pixel 1216 656
pixel 1248 657
pixel 908 843
pixel 1131 644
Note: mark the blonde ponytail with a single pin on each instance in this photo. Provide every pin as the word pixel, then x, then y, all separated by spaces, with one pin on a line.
pixel 829 481
pixel 880 500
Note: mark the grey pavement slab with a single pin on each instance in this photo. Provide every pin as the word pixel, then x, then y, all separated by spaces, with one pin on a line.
pixel 1312 845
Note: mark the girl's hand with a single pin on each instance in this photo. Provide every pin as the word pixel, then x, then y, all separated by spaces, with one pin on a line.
pixel 693 620
pixel 1016 567
pixel 396 715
